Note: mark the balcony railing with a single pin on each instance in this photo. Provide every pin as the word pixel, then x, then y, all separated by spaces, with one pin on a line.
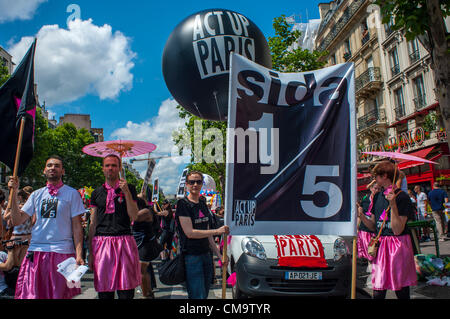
pixel 399 112
pixel 371 118
pixel 415 56
pixel 395 70
pixel 340 24
pixel 371 75
pixel 420 102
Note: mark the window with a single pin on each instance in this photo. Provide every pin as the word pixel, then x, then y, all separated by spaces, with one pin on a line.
pixel 399 103
pixel 393 57
pixel 413 48
pixel 347 50
pixel 365 36
pixel 333 59
pixel 419 93
pixel 388 27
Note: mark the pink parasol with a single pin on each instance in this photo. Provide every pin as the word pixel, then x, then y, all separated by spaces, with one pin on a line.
pixel 119 148
pixel 400 156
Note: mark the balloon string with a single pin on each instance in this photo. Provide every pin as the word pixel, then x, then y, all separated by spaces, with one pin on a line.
pixel 217 105
pixel 195 104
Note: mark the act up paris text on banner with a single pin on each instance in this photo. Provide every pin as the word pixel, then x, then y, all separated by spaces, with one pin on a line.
pixel 291 151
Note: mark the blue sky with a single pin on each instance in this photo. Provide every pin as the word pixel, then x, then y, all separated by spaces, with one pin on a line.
pixel 109 64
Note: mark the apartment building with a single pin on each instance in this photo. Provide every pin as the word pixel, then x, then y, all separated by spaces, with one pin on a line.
pixel 395 101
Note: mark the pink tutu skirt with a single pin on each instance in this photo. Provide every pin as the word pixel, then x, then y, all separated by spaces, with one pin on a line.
pixel 39 279
pixel 116 263
pixel 362 242
pixel 393 268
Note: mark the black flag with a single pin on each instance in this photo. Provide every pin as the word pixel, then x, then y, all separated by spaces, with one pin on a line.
pixel 17 100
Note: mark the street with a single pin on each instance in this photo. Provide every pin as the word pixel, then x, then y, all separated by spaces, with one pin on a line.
pixel 161 292
pixel 421 291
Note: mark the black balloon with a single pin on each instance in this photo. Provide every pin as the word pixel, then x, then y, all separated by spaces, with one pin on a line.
pixel 196 59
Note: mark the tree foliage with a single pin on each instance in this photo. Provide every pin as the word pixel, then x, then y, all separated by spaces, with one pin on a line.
pixel 4 74
pixel 217 169
pixel 424 19
pixel 67 142
pixel 286 59
pixel 410 15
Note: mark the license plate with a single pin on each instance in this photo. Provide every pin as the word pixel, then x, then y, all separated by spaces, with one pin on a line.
pixel 303 275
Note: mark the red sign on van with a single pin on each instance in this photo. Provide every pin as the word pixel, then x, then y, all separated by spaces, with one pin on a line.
pixel 300 251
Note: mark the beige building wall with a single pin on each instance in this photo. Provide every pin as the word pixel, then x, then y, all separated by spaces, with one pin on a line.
pixel 6 58
pixel 79 120
pixel 350 33
pixel 381 118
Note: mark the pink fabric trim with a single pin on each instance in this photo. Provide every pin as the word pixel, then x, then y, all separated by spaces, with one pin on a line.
pixel 41 280
pixel 362 243
pixel 110 207
pixel 53 190
pixel 393 268
pixel 116 263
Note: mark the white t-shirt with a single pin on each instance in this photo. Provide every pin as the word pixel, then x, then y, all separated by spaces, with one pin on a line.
pixel 53 229
pixel 3 257
pixel 421 198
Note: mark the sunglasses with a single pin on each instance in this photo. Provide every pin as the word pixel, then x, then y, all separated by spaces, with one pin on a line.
pixel 198 181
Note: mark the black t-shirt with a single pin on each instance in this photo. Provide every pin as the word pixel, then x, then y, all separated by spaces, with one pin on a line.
pixel 365 203
pixel 198 212
pixel 404 206
pixel 143 227
pixel 117 223
pixel 168 222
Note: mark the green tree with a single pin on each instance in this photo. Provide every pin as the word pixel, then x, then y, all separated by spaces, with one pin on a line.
pixel 216 169
pixel 67 142
pixel 4 73
pixel 424 19
pixel 284 59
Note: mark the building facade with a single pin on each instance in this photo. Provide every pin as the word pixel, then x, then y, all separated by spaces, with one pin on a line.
pixel 6 60
pixel 82 121
pixel 396 105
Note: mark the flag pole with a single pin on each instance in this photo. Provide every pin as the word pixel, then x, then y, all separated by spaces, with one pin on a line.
pixel 224 267
pixel 353 293
pixel 17 160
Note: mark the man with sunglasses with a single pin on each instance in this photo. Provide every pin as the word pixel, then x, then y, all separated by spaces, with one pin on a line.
pixel 196 239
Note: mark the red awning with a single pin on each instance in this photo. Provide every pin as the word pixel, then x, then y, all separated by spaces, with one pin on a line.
pixel 422 154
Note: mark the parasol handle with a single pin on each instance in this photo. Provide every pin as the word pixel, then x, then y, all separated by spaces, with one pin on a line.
pixel 122 171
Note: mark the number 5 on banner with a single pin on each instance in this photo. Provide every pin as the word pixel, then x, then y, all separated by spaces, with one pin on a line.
pixel 310 187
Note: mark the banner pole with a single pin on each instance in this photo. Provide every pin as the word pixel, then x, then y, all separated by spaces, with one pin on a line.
pixel 17 160
pixel 224 268
pixel 353 293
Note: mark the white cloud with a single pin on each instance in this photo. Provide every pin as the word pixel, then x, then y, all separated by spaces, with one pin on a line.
pixel 84 59
pixel 11 10
pixel 159 131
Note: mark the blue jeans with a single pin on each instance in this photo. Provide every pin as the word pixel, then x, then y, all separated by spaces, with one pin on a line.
pixel 199 275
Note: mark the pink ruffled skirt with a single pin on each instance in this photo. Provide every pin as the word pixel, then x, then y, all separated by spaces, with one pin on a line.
pixel 393 268
pixel 362 243
pixel 116 263
pixel 39 278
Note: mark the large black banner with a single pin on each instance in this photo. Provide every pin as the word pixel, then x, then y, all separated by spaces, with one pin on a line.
pixel 291 151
